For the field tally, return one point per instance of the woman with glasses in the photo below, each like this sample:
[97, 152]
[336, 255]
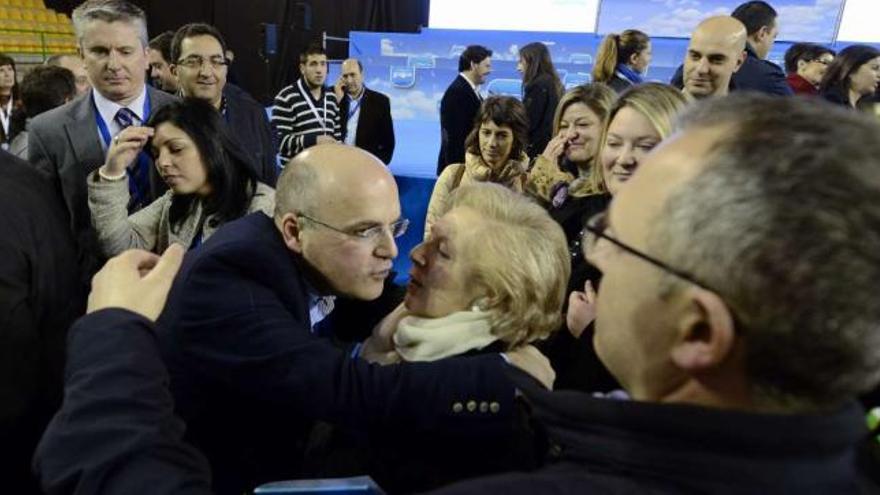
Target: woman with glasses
[495, 152]
[806, 65]
[469, 293]
[854, 74]
[210, 182]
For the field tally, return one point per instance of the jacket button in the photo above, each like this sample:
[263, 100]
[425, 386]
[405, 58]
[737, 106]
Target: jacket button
[484, 407]
[457, 407]
[494, 407]
[471, 406]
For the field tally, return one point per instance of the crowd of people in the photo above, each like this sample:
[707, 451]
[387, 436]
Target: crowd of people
[625, 286]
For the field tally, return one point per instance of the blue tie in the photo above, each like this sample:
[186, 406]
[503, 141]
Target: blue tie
[139, 177]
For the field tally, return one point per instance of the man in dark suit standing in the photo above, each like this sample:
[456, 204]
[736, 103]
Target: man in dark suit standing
[40, 296]
[70, 142]
[366, 114]
[199, 62]
[460, 104]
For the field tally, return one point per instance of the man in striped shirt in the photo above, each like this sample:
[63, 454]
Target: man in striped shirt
[306, 113]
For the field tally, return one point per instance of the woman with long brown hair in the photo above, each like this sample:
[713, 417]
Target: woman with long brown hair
[541, 88]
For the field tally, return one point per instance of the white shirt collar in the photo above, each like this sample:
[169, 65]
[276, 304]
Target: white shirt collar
[108, 108]
[472, 85]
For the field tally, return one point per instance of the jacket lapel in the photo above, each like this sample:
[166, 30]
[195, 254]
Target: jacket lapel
[82, 133]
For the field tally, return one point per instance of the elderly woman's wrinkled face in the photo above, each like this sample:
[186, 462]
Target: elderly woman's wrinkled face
[439, 278]
[496, 141]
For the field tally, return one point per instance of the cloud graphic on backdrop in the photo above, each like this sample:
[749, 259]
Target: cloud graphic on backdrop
[800, 20]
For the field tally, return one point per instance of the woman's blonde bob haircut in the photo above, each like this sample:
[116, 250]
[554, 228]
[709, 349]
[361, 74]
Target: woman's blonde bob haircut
[520, 258]
[659, 103]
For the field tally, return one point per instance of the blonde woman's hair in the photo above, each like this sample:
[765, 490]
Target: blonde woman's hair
[523, 264]
[617, 49]
[659, 103]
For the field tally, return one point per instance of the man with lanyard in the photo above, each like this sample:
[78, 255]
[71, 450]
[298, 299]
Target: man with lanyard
[306, 113]
[68, 144]
[367, 114]
[200, 65]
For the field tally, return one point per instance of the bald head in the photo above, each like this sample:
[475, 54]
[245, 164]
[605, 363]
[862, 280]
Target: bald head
[716, 50]
[353, 77]
[328, 173]
[336, 207]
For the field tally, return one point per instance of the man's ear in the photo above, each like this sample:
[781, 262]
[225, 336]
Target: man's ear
[173, 69]
[706, 333]
[800, 65]
[291, 231]
[740, 60]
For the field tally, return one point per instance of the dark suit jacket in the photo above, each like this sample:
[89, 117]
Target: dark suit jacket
[64, 144]
[754, 75]
[116, 432]
[375, 130]
[458, 108]
[248, 375]
[249, 124]
[40, 296]
[605, 445]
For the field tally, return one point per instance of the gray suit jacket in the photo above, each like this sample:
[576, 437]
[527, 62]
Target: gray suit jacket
[65, 146]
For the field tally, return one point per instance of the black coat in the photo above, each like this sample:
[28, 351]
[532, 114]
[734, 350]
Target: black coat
[621, 446]
[40, 296]
[540, 98]
[249, 124]
[249, 376]
[375, 130]
[458, 109]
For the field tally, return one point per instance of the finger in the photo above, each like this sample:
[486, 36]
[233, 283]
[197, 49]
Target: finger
[589, 292]
[135, 259]
[167, 266]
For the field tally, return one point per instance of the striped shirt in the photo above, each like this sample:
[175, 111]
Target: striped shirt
[298, 123]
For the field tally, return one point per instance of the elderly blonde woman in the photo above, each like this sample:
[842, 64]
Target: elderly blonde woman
[473, 293]
[495, 152]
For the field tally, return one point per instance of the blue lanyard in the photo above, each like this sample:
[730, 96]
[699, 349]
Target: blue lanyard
[102, 126]
[354, 108]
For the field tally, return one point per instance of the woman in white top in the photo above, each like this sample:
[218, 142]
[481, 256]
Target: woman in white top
[210, 179]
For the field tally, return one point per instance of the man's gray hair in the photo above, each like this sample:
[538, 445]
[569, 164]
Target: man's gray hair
[109, 11]
[784, 221]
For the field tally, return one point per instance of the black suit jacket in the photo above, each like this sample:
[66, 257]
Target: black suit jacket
[458, 108]
[249, 124]
[40, 296]
[375, 130]
[248, 375]
[63, 143]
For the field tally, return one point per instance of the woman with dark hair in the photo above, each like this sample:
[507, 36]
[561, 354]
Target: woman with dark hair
[210, 179]
[854, 73]
[495, 151]
[622, 59]
[541, 88]
[10, 102]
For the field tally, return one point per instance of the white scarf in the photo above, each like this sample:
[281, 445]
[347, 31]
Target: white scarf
[430, 339]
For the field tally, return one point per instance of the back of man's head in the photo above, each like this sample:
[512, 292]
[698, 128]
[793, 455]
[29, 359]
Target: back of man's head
[473, 54]
[783, 220]
[46, 87]
[755, 15]
[109, 11]
[162, 44]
